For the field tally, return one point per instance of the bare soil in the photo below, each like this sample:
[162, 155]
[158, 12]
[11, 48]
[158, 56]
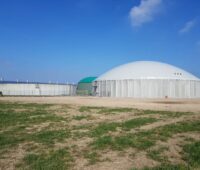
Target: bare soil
[192, 105]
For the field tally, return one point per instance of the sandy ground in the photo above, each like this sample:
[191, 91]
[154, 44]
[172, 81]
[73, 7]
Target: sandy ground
[190, 105]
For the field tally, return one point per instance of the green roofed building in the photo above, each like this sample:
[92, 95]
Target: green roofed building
[85, 87]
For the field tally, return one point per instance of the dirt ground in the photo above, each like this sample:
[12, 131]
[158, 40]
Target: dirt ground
[189, 105]
[86, 131]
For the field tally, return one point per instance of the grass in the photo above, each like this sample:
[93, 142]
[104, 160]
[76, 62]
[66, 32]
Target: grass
[15, 118]
[156, 155]
[139, 141]
[43, 135]
[89, 108]
[115, 110]
[135, 123]
[105, 110]
[13, 138]
[93, 157]
[164, 132]
[103, 142]
[16, 105]
[81, 117]
[192, 154]
[104, 128]
[59, 159]
[165, 113]
[166, 167]
[85, 126]
[79, 134]
[49, 137]
[10, 139]
[11, 117]
[145, 139]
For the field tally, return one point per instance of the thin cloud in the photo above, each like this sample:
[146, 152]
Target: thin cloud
[188, 27]
[144, 12]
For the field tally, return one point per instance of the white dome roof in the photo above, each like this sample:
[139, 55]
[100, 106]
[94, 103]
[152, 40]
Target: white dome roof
[146, 70]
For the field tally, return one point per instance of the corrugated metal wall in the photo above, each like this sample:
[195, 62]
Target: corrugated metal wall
[38, 89]
[148, 88]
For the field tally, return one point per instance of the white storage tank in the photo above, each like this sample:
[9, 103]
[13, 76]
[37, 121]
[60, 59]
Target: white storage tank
[147, 79]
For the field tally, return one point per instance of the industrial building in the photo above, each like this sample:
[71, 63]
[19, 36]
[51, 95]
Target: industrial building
[147, 79]
[85, 87]
[11, 88]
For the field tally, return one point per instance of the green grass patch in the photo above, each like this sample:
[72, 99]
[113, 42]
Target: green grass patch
[89, 108]
[93, 157]
[37, 114]
[164, 132]
[12, 138]
[79, 134]
[134, 123]
[105, 110]
[122, 142]
[104, 128]
[16, 118]
[49, 137]
[165, 113]
[144, 139]
[103, 142]
[83, 127]
[115, 110]
[156, 155]
[192, 154]
[166, 167]
[28, 106]
[9, 139]
[81, 117]
[60, 159]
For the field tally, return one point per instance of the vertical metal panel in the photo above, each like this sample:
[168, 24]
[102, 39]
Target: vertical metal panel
[37, 89]
[150, 88]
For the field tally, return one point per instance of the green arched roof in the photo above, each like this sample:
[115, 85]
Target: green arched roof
[87, 80]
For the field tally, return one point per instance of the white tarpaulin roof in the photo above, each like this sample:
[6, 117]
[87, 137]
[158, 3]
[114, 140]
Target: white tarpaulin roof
[146, 70]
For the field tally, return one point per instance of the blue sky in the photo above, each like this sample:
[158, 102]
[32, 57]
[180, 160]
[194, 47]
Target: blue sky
[66, 40]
